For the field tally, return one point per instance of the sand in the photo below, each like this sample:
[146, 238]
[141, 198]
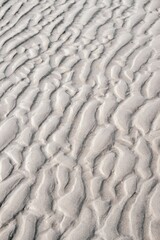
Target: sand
[79, 120]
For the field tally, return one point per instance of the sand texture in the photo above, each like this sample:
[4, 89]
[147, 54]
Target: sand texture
[79, 119]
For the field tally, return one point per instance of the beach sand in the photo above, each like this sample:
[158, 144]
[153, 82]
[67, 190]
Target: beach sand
[79, 119]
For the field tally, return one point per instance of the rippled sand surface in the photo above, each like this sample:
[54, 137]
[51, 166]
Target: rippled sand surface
[79, 119]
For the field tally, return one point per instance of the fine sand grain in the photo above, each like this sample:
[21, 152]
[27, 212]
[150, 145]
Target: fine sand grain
[79, 119]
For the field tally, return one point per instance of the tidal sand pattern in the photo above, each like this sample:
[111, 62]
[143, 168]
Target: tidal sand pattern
[79, 119]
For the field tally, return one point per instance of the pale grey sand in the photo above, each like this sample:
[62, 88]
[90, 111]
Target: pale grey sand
[79, 119]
